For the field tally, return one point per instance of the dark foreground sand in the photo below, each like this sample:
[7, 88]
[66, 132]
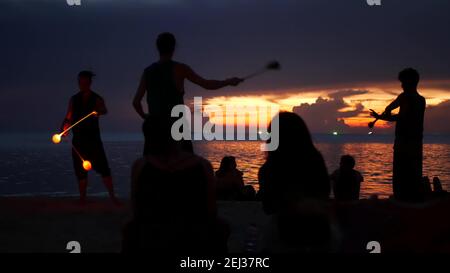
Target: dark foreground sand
[48, 224]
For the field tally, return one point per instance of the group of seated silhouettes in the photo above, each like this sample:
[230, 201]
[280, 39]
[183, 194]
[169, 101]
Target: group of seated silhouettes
[174, 192]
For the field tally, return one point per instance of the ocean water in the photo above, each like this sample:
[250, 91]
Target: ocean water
[32, 165]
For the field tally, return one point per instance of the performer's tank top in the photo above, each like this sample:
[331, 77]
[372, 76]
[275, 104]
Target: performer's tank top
[162, 93]
[88, 130]
[410, 117]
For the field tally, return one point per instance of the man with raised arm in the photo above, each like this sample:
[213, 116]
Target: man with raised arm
[163, 81]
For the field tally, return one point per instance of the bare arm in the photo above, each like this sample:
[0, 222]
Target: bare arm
[68, 119]
[389, 117]
[393, 105]
[100, 107]
[386, 115]
[208, 84]
[138, 98]
[69, 112]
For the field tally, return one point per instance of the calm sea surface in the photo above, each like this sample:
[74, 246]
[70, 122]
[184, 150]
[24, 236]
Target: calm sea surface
[31, 165]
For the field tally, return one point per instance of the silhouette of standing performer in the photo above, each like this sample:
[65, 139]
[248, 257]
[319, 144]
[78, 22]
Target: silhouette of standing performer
[86, 135]
[163, 81]
[407, 169]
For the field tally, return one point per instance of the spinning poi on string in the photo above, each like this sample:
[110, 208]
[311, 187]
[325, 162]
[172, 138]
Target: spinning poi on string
[82, 119]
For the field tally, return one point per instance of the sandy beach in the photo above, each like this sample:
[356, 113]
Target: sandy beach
[48, 224]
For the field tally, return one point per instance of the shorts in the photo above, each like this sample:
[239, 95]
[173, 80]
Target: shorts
[93, 152]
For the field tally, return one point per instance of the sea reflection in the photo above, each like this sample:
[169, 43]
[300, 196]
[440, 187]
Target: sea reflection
[373, 160]
[46, 169]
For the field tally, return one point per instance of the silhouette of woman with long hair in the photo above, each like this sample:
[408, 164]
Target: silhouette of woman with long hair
[229, 179]
[295, 188]
[295, 170]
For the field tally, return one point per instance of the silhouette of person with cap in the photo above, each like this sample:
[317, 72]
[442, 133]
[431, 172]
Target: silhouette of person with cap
[86, 135]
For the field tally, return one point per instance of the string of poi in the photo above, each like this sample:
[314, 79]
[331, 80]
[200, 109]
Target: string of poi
[56, 138]
[274, 65]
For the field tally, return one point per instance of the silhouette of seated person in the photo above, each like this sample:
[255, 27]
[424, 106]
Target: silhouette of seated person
[407, 165]
[294, 188]
[248, 193]
[229, 179]
[346, 180]
[173, 199]
[163, 82]
[438, 191]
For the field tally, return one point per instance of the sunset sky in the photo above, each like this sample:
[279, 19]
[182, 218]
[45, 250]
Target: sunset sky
[349, 106]
[337, 63]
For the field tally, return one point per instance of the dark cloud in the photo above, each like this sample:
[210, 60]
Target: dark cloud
[326, 115]
[437, 118]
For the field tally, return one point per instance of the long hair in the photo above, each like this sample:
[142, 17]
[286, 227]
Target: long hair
[294, 137]
[296, 168]
[228, 163]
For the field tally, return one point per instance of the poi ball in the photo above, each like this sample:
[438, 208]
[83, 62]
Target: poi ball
[56, 138]
[87, 165]
[273, 65]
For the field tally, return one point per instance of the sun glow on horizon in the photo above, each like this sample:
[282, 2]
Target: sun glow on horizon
[375, 97]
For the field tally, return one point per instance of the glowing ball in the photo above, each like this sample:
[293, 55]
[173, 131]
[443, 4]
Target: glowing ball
[370, 133]
[56, 138]
[87, 165]
[335, 133]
